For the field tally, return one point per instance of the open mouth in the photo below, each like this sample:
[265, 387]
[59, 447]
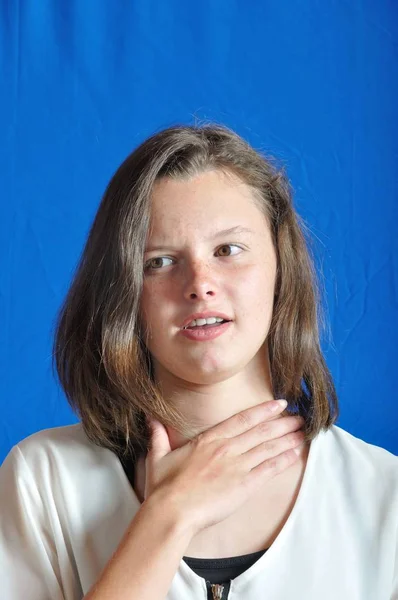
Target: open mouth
[204, 333]
[206, 326]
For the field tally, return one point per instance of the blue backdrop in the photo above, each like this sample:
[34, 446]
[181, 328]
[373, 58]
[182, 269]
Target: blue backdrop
[314, 83]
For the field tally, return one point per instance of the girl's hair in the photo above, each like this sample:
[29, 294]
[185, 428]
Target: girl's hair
[99, 348]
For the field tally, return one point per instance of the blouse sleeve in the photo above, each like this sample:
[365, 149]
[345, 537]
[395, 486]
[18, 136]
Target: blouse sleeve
[28, 561]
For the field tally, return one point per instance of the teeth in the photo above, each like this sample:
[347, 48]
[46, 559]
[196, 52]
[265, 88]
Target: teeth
[209, 321]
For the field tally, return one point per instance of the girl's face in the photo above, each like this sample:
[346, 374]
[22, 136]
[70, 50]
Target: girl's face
[191, 267]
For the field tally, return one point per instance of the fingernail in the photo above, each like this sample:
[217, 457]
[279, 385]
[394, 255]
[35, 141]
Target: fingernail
[279, 404]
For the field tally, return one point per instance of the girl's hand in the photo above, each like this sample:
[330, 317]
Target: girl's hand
[211, 476]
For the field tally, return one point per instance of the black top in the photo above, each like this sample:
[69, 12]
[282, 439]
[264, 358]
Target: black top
[221, 571]
[213, 570]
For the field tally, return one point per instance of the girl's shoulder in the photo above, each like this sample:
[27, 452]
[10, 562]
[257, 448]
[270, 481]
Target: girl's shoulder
[57, 453]
[357, 449]
[357, 464]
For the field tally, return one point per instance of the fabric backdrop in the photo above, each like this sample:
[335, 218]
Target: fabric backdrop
[313, 83]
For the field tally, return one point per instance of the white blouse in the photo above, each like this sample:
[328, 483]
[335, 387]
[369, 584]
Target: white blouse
[66, 503]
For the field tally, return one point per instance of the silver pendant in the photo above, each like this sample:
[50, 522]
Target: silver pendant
[217, 590]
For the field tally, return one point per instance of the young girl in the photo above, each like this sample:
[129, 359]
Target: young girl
[193, 309]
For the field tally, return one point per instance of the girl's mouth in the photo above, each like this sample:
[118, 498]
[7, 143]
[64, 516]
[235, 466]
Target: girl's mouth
[202, 333]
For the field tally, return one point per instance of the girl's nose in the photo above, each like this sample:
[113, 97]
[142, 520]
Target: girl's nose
[199, 284]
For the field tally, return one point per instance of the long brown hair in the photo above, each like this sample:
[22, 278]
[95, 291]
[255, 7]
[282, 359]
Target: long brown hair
[99, 349]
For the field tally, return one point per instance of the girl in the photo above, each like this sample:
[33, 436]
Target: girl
[194, 307]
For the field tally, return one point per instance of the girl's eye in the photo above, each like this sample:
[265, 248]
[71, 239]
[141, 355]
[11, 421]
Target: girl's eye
[228, 246]
[154, 264]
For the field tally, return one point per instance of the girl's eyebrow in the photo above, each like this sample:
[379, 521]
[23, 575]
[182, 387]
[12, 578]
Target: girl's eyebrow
[238, 229]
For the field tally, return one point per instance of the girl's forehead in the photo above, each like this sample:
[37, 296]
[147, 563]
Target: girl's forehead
[208, 195]
[203, 183]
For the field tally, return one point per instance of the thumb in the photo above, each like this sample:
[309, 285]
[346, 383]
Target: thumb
[160, 443]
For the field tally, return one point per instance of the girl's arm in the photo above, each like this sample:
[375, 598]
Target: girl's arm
[142, 566]
[29, 565]
[147, 558]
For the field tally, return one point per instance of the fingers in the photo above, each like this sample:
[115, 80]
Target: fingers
[160, 443]
[266, 432]
[269, 468]
[269, 453]
[245, 420]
